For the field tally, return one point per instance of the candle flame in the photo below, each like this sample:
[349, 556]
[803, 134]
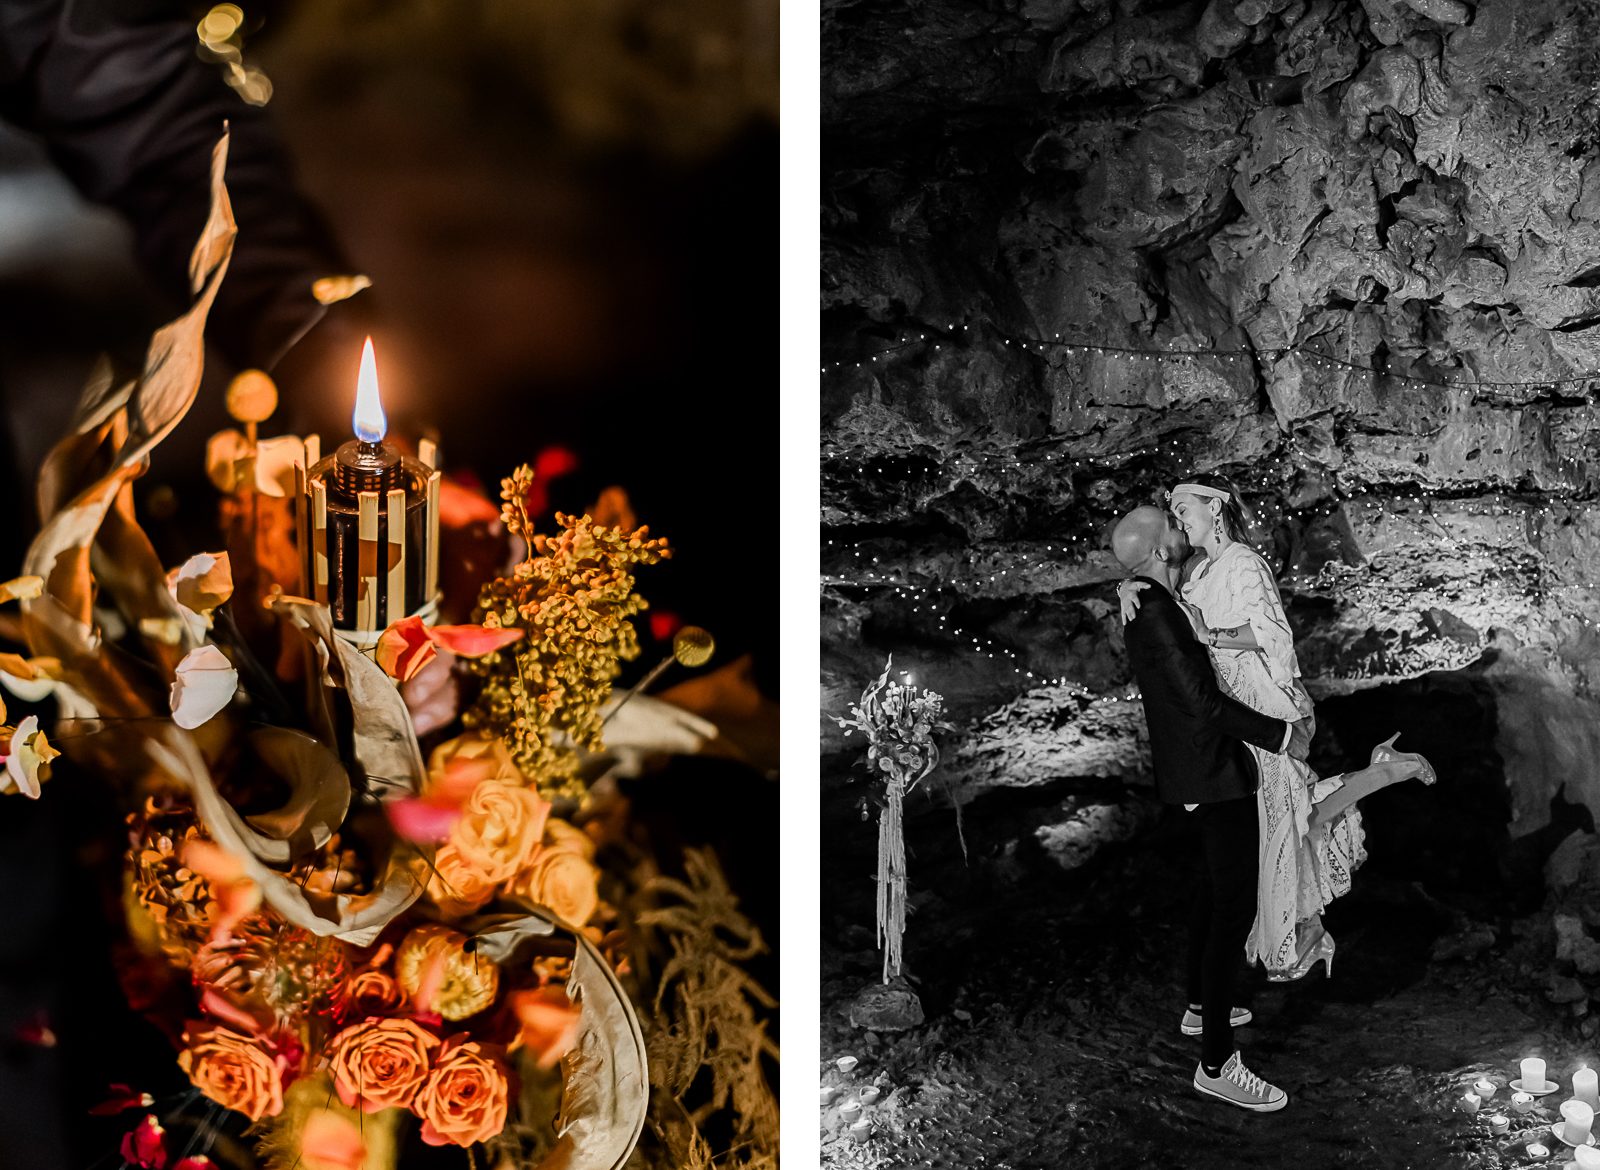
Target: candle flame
[369, 420]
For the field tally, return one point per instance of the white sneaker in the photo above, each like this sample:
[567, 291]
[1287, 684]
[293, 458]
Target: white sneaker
[1193, 1026]
[1239, 1086]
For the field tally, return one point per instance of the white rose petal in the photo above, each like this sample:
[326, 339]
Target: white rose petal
[29, 690]
[205, 685]
[16, 763]
[202, 582]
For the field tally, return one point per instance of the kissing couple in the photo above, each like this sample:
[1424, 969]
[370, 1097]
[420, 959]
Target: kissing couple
[1230, 730]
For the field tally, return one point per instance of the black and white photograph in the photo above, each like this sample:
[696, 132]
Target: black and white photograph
[1209, 584]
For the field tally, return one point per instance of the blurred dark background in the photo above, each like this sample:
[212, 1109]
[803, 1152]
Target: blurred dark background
[568, 212]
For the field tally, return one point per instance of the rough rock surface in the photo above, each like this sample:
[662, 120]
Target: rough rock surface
[1362, 205]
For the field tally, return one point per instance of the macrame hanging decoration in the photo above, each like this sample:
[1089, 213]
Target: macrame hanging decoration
[898, 720]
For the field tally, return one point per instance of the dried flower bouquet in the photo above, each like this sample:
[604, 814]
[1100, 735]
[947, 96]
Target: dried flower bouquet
[341, 936]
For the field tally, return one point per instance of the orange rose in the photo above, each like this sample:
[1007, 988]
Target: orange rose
[380, 1063]
[234, 1071]
[373, 993]
[560, 877]
[463, 1100]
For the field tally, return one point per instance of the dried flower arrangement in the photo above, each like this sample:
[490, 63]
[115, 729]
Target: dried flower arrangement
[898, 720]
[342, 937]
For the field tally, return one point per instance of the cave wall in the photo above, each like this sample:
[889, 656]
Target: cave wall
[1275, 238]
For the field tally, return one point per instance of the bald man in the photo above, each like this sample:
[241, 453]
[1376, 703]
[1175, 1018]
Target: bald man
[1197, 745]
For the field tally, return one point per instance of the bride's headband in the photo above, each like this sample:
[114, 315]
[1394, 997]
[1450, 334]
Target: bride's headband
[1200, 489]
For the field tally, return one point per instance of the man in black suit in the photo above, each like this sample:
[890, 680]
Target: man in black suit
[1197, 744]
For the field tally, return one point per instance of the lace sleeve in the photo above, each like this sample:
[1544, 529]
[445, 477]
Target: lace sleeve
[1255, 595]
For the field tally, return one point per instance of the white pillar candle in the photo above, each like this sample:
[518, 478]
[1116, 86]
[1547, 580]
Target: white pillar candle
[1499, 1123]
[1533, 1075]
[1485, 1088]
[1586, 1087]
[1588, 1158]
[1470, 1103]
[1578, 1117]
[1521, 1102]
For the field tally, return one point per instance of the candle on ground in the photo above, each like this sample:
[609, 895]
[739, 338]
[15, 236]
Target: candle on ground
[1470, 1103]
[1485, 1088]
[1586, 1087]
[1578, 1117]
[1537, 1150]
[1521, 1102]
[1499, 1123]
[1533, 1075]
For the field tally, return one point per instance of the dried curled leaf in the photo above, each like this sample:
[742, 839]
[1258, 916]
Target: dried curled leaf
[319, 792]
[606, 1084]
[383, 738]
[356, 919]
[115, 429]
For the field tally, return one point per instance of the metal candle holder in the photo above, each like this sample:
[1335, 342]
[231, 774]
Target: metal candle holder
[367, 518]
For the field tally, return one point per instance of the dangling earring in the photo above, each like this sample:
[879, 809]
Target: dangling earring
[1216, 526]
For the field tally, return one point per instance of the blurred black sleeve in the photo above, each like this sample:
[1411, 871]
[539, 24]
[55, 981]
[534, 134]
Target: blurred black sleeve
[118, 95]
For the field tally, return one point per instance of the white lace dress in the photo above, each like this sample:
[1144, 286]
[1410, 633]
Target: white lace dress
[1301, 871]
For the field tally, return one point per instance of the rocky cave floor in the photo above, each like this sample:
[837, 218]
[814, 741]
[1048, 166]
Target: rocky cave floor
[1051, 1039]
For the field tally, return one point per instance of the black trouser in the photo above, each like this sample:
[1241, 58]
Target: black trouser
[1220, 916]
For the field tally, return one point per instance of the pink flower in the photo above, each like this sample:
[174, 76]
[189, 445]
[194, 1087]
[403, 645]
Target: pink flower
[550, 1022]
[122, 1097]
[144, 1145]
[405, 648]
[408, 645]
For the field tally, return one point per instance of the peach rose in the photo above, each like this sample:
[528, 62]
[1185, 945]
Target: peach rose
[561, 877]
[233, 1070]
[463, 1100]
[459, 765]
[380, 1063]
[440, 976]
[455, 887]
[499, 829]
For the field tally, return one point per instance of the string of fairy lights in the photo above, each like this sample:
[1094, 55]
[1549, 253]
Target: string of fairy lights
[928, 595]
[961, 332]
[1259, 476]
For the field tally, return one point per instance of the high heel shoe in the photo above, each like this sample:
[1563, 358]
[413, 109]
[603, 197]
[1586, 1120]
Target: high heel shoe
[1321, 953]
[1386, 753]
